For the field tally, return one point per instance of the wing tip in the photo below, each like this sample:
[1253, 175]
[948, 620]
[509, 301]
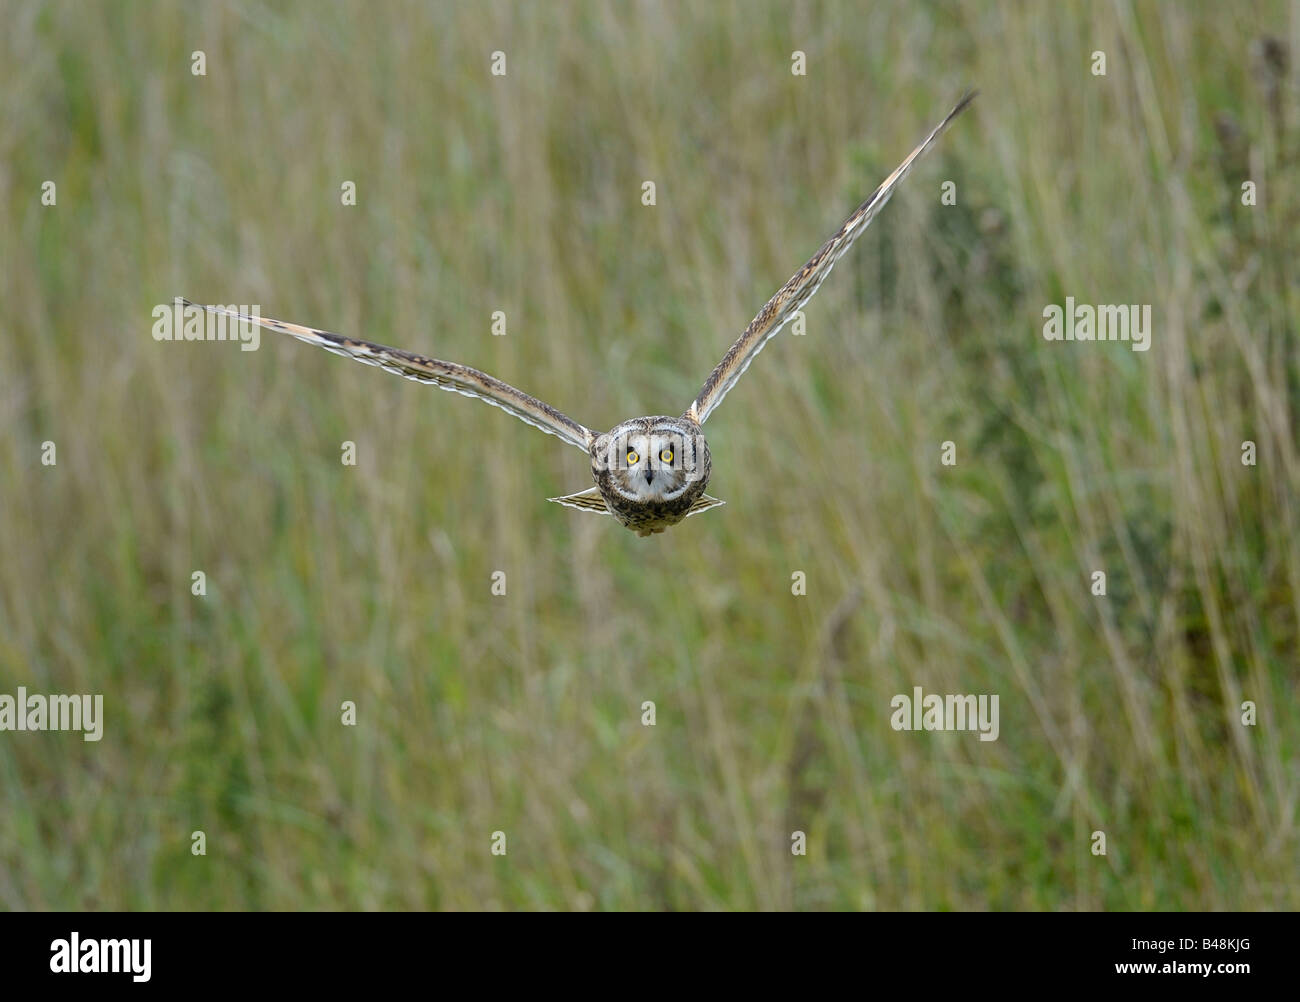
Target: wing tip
[971, 94]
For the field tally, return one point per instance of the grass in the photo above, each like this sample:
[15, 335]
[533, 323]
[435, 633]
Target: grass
[522, 713]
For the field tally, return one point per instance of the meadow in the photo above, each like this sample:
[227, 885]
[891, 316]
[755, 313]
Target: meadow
[1168, 181]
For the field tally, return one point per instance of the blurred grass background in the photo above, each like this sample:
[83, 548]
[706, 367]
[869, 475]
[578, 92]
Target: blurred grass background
[521, 713]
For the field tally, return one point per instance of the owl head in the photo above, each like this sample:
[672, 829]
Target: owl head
[652, 459]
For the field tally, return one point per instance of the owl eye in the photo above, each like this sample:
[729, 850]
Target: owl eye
[666, 456]
[632, 457]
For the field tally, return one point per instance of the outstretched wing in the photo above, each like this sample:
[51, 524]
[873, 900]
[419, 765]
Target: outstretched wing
[796, 292]
[446, 375]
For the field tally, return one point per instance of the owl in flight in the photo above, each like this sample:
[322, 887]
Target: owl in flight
[650, 472]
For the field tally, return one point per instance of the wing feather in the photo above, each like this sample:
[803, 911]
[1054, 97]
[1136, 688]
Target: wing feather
[445, 375]
[589, 500]
[806, 281]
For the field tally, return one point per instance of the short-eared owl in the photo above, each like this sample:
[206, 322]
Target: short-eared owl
[650, 472]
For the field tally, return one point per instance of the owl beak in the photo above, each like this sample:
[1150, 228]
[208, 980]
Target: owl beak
[649, 476]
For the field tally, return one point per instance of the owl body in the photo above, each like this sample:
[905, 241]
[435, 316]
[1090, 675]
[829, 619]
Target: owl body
[651, 471]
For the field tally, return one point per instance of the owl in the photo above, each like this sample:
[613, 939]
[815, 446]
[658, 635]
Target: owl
[650, 472]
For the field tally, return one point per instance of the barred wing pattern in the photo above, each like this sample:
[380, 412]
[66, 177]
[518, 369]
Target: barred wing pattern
[445, 375]
[796, 292]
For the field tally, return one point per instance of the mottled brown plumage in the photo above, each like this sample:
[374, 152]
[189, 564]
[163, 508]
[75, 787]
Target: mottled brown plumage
[652, 471]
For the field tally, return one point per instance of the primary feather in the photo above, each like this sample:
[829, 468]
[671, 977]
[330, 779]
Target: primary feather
[445, 375]
[805, 282]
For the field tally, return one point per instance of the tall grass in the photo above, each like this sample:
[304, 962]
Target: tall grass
[522, 713]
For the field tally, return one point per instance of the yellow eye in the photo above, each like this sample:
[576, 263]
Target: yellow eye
[632, 457]
[666, 456]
